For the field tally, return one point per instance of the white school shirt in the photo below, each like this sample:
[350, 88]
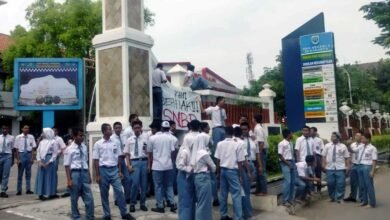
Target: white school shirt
[157, 77]
[286, 149]
[318, 145]
[367, 154]
[215, 112]
[107, 152]
[61, 143]
[161, 145]
[183, 159]
[9, 144]
[19, 143]
[204, 162]
[242, 144]
[253, 148]
[303, 169]
[190, 76]
[229, 153]
[355, 155]
[301, 146]
[260, 135]
[121, 142]
[142, 146]
[342, 154]
[76, 157]
[47, 147]
[128, 132]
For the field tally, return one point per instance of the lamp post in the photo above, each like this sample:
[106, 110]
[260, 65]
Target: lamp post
[349, 83]
[347, 111]
[360, 114]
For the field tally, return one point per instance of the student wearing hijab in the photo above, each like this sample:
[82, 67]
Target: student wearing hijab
[46, 183]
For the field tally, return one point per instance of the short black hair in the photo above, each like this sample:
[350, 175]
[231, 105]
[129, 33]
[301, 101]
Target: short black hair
[5, 126]
[314, 129]
[136, 122]
[156, 124]
[367, 135]
[258, 118]
[117, 123]
[76, 131]
[171, 122]
[26, 125]
[306, 127]
[229, 130]
[309, 159]
[104, 127]
[195, 124]
[244, 116]
[219, 98]
[203, 125]
[244, 124]
[237, 132]
[159, 65]
[191, 67]
[132, 116]
[286, 133]
[337, 134]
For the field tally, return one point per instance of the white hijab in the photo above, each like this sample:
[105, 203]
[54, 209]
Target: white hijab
[200, 148]
[47, 142]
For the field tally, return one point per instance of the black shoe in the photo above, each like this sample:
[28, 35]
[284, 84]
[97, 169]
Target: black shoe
[107, 218]
[132, 208]
[29, 192]
[144, 208]
[54, 197]
[128, 217]
[226, 218]
[42, 198]
[19, 193]
[3, 195]
[65, 195]
[159, 210]
[173, 208]
[216, 202]
[349, 199]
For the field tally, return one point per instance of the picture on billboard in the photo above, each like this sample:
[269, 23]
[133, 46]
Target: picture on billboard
[48, 84]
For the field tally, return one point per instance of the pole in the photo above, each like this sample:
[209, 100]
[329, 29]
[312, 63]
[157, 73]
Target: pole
[349, 84]
[47, 119]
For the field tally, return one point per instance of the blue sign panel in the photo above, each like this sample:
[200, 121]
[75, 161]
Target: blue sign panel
[48, 84]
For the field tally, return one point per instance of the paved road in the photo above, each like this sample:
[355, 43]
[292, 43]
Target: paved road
[350, 211]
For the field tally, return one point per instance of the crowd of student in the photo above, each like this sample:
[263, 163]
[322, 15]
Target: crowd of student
[203, 169]
[303, 165]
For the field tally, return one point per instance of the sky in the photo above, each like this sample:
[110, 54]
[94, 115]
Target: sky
[219, 33]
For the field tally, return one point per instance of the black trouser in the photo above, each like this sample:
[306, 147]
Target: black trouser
[318, 170]
[157, 102]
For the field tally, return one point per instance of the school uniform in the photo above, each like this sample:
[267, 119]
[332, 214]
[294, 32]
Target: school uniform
[305, 146]
[136, 147]
[261, 136]
[218, 117]
[24, 145]
[161, 145]
[354, 175]
[158, 76]
[185, 178]
[286, 149]
[249, 149]
[126, 179]
[108, 152]
[76, 158]
[318, 146]
[6, 146]
[202, 165]
[128, 132]
[367, 154]
[46, 182]
[61, 147]
[303, 186]
[335, 156]
[230, 153]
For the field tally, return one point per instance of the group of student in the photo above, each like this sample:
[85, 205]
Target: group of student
[303, 164]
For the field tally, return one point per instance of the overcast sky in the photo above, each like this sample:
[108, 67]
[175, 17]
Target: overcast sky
[218, 33]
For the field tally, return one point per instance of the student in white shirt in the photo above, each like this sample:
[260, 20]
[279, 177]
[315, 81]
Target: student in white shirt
[202, 166]
[306, 179]
[218, 118]
[287, 164]
[6, 149]
[262, 142]
[24, 144]
[318, 146]
[161, 148]
[304, 145]
[46, 183]
[185, 177]
[105, 157]
[61, 148]
[195, 82]
[158, 78]
[368, 156]
[230, 158]
[128, 132]
[336, 163]
[120, 139]
[78, 175]
[137, 164]
[354, 175]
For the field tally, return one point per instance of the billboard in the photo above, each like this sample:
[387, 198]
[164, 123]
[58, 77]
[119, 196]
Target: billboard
[318, 77]
[48, 84]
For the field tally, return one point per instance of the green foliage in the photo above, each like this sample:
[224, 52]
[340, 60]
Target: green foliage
[382, 142]
[379, 13]
[9, 84]
[272, 157]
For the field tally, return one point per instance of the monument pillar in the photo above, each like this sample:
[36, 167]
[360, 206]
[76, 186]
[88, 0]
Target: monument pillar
[123, 67]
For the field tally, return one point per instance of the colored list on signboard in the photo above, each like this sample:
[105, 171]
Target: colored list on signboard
[318, 74]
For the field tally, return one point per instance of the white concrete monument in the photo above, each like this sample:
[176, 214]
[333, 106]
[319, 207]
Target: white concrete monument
[123, 67]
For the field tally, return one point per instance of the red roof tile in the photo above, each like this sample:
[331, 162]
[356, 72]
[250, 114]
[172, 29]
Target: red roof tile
[5, 42]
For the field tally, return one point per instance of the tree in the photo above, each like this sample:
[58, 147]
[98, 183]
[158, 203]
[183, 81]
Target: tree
[379, 13]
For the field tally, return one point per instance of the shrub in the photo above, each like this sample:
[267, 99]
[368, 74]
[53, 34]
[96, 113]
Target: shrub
[381, 142]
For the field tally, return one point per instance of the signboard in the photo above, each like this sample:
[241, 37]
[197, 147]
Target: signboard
[48, 84]
[318, 76]
[180, 106]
